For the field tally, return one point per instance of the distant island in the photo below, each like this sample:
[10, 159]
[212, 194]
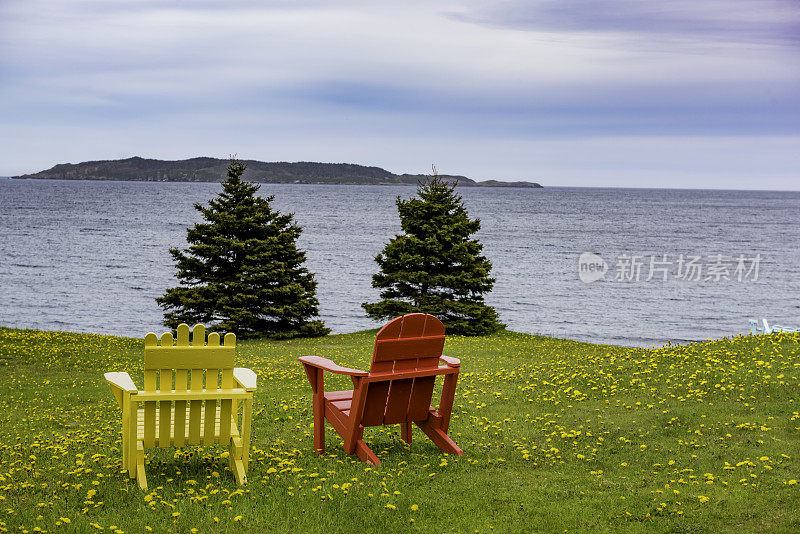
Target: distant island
[214, 170]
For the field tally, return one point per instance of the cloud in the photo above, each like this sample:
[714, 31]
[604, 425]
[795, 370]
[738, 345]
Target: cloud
[160, 78]
[737, 21]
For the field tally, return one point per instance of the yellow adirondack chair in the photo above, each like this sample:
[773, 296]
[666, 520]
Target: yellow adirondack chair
[201, 408]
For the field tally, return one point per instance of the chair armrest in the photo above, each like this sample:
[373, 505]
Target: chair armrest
[451, 362]
[326, 364]
[245, 377]
[120, 383]
[121, 380]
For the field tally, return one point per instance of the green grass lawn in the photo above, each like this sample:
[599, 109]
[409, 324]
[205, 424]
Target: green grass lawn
[557, 435]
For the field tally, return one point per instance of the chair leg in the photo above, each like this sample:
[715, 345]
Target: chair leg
[140, 476]
[235, 460]
[231, 456]
[439, 438]
[125, 440]
[135, 457]
[247, 414]
[239, 474]
[405, 431]
[318, 407]
[125, 461]
[354, 443]
[365, 454]
[131, 437]
[319, 431]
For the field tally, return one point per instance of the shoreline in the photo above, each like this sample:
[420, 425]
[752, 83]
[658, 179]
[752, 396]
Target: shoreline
[653, 346]
[495, 183]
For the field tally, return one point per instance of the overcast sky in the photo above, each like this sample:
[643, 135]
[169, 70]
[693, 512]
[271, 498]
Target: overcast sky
[643, 93]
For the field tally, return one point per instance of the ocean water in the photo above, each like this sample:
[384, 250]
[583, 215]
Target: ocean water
[682, 265]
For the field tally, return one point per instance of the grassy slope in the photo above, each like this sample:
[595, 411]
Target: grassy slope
[557, 435]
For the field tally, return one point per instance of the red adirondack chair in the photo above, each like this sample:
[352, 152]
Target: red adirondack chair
[397, 388]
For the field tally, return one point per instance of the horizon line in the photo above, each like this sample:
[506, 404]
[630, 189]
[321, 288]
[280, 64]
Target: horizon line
[410, 185]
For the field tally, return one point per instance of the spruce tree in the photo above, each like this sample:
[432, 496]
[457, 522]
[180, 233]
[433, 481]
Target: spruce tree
[435, 266]
[242, 271]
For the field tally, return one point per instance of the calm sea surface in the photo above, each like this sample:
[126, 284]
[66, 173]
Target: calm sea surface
[92, 256]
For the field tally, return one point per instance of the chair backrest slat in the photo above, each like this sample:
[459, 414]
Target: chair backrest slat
[150, 385]
[181, 385]
[212, 379]
[226, 378]
[226, 407]
[397, 402]
[413, 324]
[182, 339]
[213, 339]
[150, 374]
[210, 421]
[164, 422]
[195, 408]
[375, 405]
[420, 400]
